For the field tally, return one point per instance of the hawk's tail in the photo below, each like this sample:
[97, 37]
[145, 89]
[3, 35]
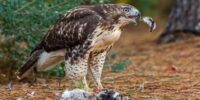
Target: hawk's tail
[29, 65]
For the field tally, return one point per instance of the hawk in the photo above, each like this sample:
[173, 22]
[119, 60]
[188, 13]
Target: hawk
[81, 38]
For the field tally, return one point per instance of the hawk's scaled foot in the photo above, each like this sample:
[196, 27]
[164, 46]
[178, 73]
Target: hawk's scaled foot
[99, 85]
[85, 85]
[82, 84]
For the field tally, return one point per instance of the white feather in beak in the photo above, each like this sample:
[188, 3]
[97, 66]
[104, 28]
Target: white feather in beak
[150, 22]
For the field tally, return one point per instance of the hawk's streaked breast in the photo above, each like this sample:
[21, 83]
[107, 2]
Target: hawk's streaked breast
[106, 38]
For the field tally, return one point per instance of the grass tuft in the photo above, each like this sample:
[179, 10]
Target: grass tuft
[120, 66]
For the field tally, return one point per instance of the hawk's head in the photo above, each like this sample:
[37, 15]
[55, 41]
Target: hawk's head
[130, 12]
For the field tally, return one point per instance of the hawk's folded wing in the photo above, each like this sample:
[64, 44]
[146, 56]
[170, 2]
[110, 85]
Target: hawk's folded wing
[71, 30]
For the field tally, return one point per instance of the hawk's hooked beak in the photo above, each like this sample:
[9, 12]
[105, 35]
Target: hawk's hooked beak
[134, 17]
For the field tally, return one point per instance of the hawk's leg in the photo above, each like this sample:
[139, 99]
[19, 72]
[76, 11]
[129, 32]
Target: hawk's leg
[76, 69]
[86, 87]
[76, 61]
[96, 65]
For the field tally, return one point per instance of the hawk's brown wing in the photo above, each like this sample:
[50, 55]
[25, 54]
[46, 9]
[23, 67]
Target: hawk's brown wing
[71, 30]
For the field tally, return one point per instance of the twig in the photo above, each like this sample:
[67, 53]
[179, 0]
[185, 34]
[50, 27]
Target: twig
[59, 83]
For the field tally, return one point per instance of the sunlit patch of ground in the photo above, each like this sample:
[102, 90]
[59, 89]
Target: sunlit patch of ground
[158, 72]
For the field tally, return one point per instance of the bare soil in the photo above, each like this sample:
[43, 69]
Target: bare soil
[156, 72]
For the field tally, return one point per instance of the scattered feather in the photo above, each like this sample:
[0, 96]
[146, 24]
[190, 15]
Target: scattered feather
[141, 86]
[148, 98]
[31, 94]
[10, 86]
[150, 22]
[20, 98]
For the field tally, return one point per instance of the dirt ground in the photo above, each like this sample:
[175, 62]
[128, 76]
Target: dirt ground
[156, 72]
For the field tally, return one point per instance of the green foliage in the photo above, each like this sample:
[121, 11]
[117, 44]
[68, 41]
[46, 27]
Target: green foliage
[58, 71]
[120, 66]
[24, 22]
[147, 7]
[80, 84]
[96, 1]
[112, 54]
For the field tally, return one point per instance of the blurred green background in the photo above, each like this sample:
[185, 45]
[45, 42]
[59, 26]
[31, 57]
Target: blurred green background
[24, 22]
